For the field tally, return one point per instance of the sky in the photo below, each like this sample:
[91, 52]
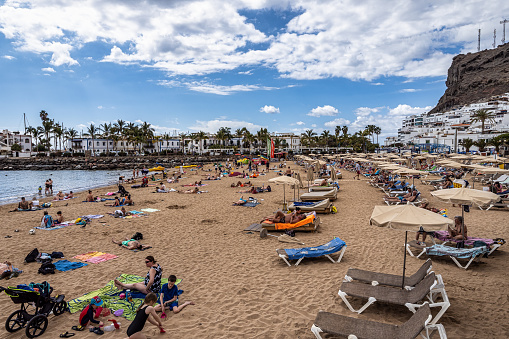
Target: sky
[189, 66]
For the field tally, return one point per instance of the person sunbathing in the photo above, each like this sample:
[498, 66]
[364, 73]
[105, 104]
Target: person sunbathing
[446, 184]
[252, 190]
[409, 197]
[24, 205]
[131, 244]
[70, 195]
[321, 183]
[460, 229]
[121, 212]
[290, 218]
[60, 196]
[129, 201]
[241, 201]
[190, 191]
[90, 197]
[161, 189]
[115, 204]
[59, 219]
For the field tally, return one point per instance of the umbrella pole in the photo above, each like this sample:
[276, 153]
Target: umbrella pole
[404, 262]
[463, 225]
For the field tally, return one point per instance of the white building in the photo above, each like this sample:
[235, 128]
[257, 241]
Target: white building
[8, 139]
[452, 127]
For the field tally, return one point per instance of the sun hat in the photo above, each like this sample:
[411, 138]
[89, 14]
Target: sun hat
[96, 301]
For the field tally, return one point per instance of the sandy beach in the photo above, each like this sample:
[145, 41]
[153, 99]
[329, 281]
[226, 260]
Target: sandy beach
[241, 288]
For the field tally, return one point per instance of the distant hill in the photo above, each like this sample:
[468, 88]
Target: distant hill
[473, 77]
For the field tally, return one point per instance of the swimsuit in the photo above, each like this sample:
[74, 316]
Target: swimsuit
[156, 286]
[126, 242]
[138, 322]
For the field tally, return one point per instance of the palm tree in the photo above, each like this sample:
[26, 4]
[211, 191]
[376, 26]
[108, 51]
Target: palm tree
[92, 131]
[47, 127]
[182, 138]
[481, 144]
[248, 139]
[106, 130]
[221, 135]
[200, 136]
[71, 133]
[308, 137]
[324, 138]
[497, 142]
[58, 132]
[262, 135]
[377, 130]
[482, 115]
[120, 126]
[467, 143]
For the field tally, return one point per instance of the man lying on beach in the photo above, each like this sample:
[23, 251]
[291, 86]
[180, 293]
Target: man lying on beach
[290, 218]
[24, 205]
[190, 191]
[70, 195]
[131, 244]
[241, 201]
[121, 212]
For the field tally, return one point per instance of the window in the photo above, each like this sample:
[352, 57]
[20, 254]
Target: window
[27, 141]
[104, 143]
[121, 143]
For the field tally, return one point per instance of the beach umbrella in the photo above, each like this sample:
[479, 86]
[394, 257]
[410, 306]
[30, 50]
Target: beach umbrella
[408, 218]
[310, 176]
[284, 180]
[409, 171]
[465, 196]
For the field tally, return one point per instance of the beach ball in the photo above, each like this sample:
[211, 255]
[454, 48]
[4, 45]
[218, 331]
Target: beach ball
[31, 232]
[122, 295]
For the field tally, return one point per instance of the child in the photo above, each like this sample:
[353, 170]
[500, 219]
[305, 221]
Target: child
[59, 219]
[87, 315]
[47, 220]
[144, 313]
[169, 298]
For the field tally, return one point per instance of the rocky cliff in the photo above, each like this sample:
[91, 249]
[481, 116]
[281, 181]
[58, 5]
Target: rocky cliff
[473, 77]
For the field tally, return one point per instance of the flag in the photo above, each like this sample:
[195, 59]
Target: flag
[270, 148]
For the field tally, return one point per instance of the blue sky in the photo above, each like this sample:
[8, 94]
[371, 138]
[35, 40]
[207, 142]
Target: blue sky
[186, 65]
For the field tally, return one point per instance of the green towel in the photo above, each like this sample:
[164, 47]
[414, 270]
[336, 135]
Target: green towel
[112, 301]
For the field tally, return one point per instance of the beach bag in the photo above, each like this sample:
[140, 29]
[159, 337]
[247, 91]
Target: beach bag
[55, 255]
[137, 236]
[47, 268]
[32, 255]
[44, 287]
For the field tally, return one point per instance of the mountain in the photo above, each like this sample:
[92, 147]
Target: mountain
[475, 77]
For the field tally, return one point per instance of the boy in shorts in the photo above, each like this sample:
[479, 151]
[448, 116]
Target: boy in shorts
[169, 298]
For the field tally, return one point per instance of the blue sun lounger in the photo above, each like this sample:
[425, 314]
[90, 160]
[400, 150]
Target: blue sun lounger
[458, 253]
[333, 246]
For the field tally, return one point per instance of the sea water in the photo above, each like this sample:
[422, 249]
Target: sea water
[17, 184]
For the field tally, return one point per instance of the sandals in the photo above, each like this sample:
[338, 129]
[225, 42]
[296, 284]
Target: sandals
[97, 330]
[67, 334]
[78, 328]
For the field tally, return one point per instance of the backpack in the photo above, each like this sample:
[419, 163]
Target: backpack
[137, 236]
[44, 287]
[47, 268]
[32, 255]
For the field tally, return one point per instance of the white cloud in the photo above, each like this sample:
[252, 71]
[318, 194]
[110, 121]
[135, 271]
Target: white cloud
[326, 110]
[100, 107]
[337, 122]
[201, 37]
[269, 109]
[313, 125]
[409, 90]
[204, 87]
[300, 123]
[406, 110]
[8, 57]
[365, 111]
[250, 72]
[377, 83]
[212, 126]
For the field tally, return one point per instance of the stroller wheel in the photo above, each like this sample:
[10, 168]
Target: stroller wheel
[60, 308]
[16, 321]
[36, 326]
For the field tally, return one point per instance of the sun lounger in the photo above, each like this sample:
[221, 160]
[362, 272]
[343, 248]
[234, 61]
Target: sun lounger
[317, 196]
[333, 246]
[491, 243]
[310, 223]
[323, 206]
[321, 188]
[458, 253]
[427, 289]
[343, 326]
[375, 278]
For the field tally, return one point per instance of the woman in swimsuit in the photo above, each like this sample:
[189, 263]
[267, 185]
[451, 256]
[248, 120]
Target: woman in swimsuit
[145, 312]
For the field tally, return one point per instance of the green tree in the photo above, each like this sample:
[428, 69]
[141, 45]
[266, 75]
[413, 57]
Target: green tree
[497, 142]
[482, 116]
[106, 130]
[71, 134]
[467, 143]
[93, 132]
[377, 130]
[308, 137]
[16, 147]
[481, 144]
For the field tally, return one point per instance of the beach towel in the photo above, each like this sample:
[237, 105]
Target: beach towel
[110, 294]
[444, 236]
[86, 256]
[462, 253]
[150, 210]
[92, 216]
[101, 258]
[66, 265]
[307, 220]
[57, 226]
[332, 246]
[249, 204]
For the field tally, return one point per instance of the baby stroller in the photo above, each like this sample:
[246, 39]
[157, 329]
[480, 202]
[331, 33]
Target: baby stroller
[122, 191]
[35, 308]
